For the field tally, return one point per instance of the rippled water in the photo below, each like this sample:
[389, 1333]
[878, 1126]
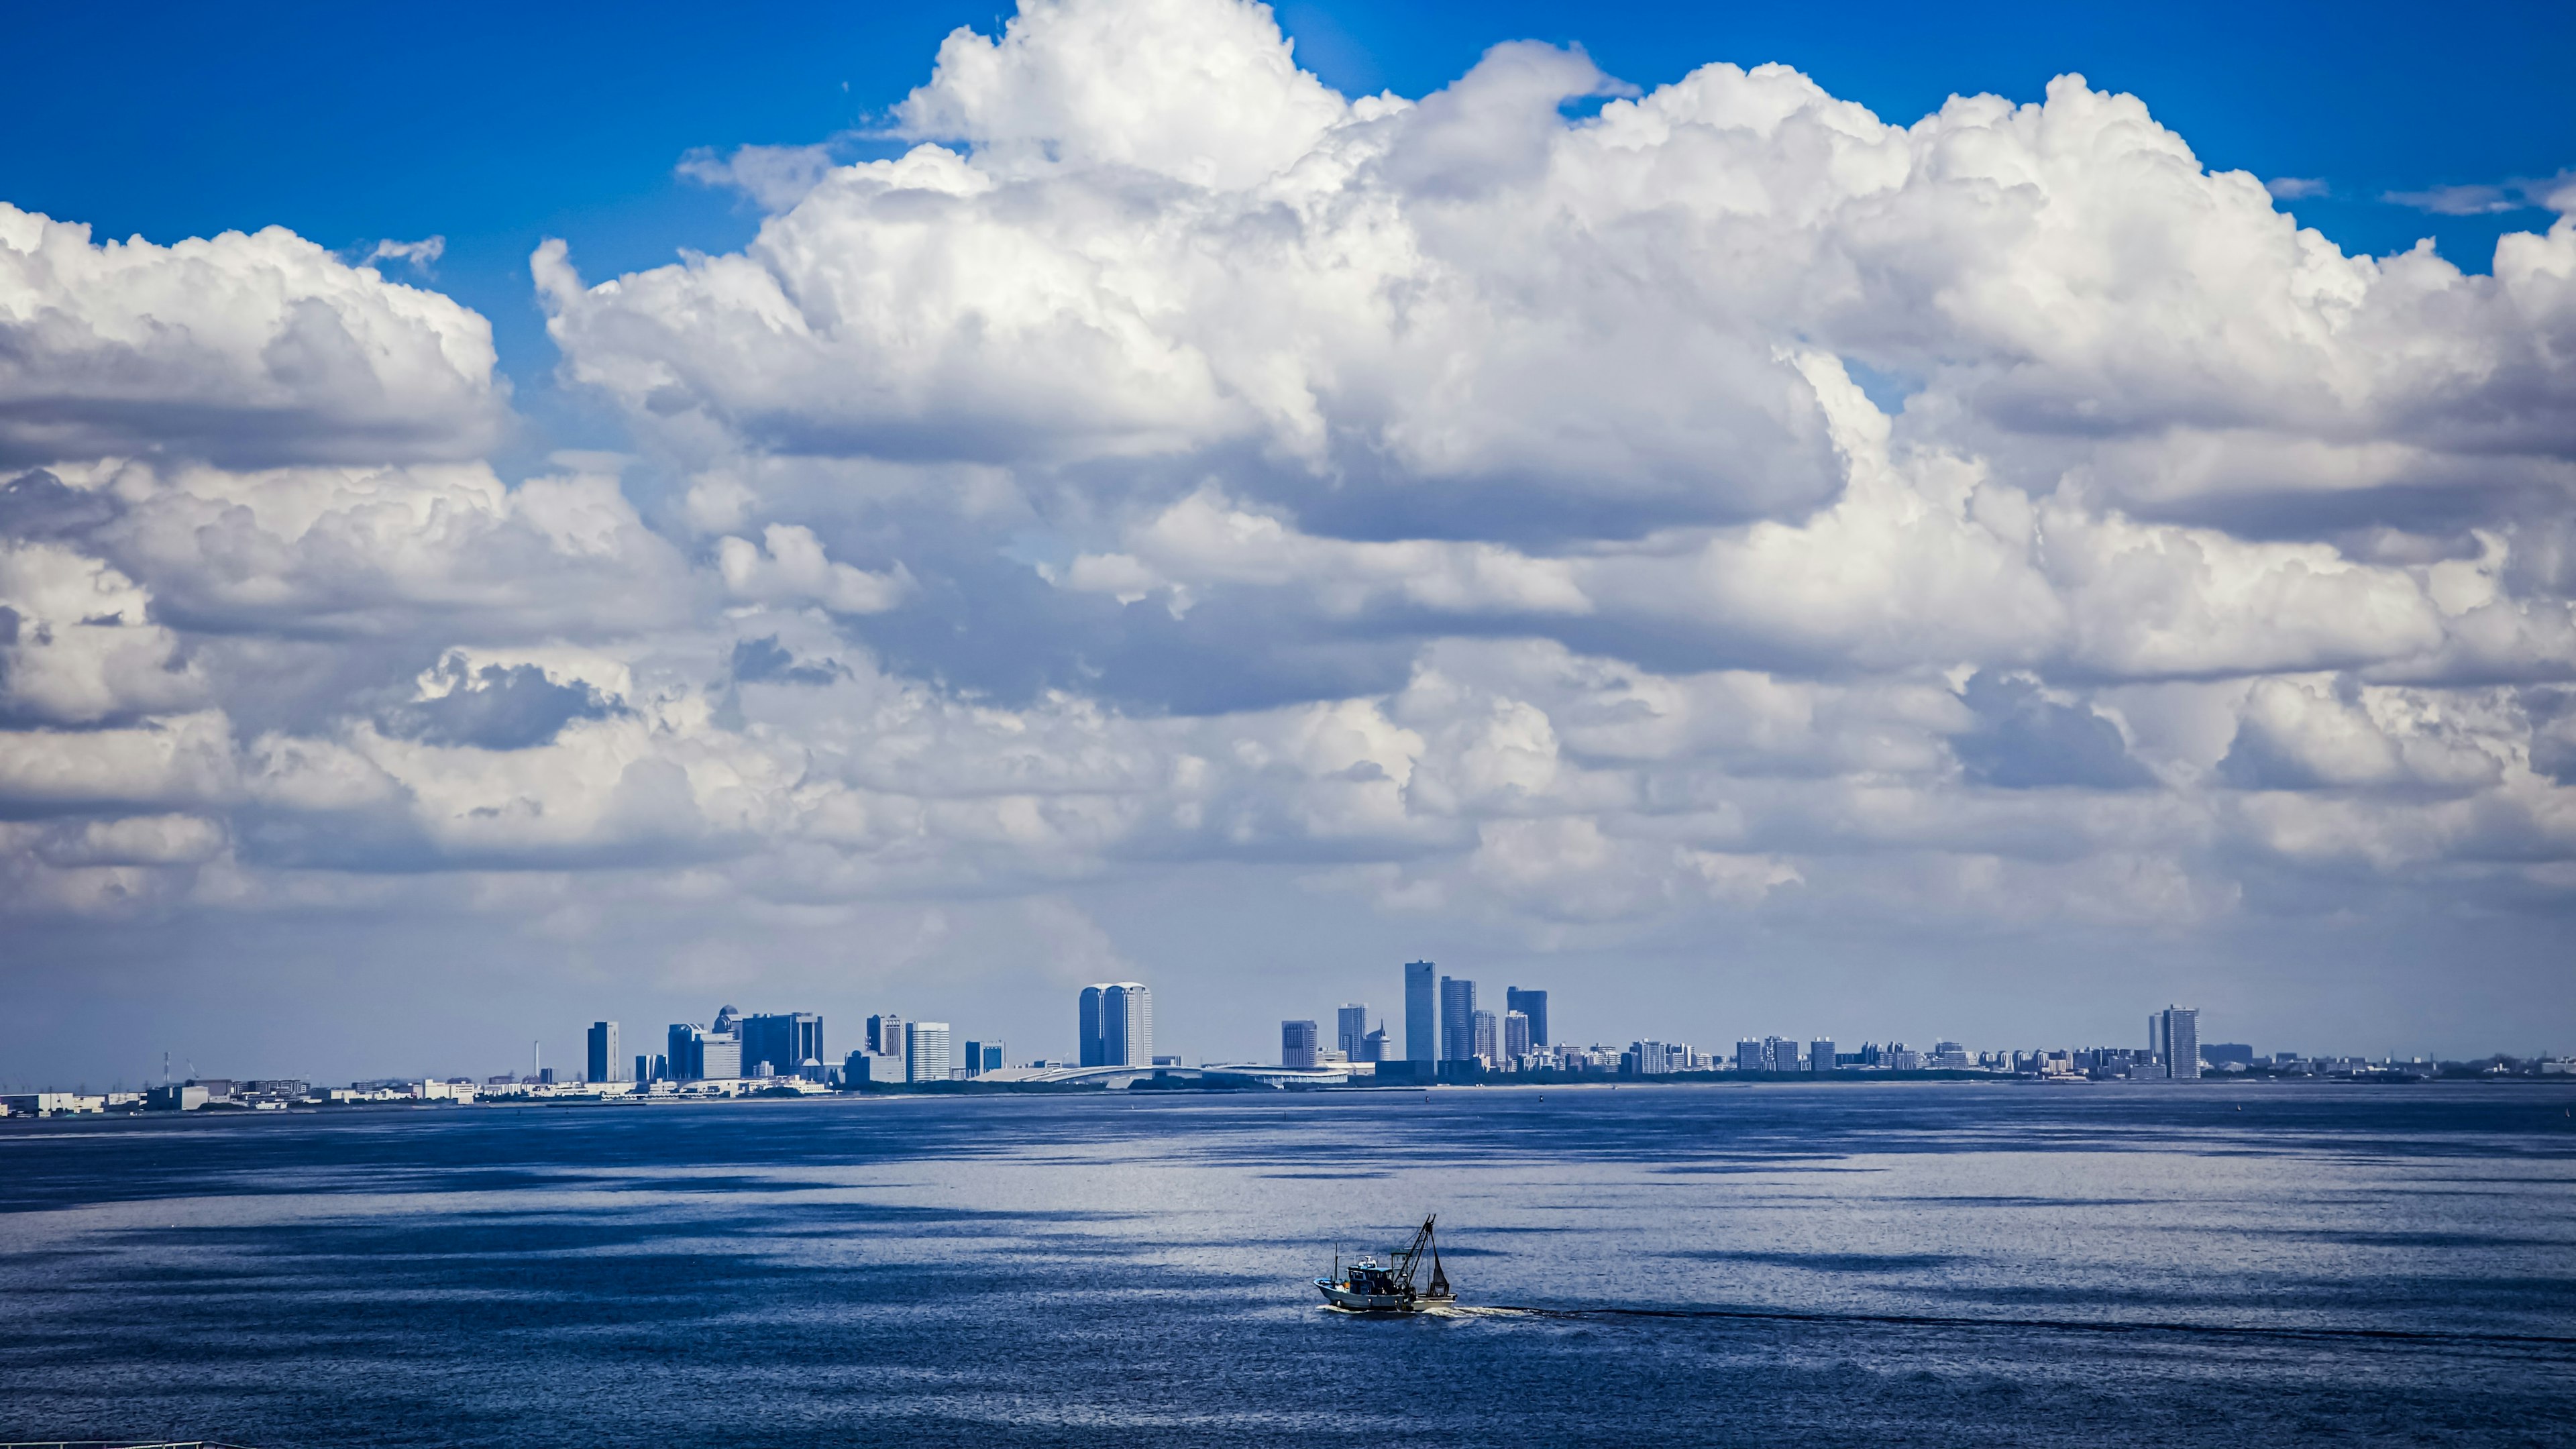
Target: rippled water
[1902, 1264]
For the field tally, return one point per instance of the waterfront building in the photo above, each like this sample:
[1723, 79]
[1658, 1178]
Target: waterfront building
[1088, 1038]
[982, 1057]
[1350, 1029]
[1779, 1054]
[1457, 1019]
[1532, 1004]
[2173, 1035]
[603, 1064]
[1296, 1043]
[784, 1042]
[720, 1050]
[643, 1067]
[925, 1051]
[1820, 1054]
[1748, 1055]
[1421, 1042]
[1519, 1033]
[1126, 1025]
[1651, 1058]
[687, 1052]
[1485, 1042]
[1373, 1046]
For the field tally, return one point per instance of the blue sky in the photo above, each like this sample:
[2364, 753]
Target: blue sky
[1732, 565]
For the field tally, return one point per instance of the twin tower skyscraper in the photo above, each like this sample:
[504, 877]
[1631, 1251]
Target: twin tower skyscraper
[1117, 1027]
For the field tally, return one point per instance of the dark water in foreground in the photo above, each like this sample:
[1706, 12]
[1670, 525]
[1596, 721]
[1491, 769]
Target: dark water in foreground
[2145, 1265]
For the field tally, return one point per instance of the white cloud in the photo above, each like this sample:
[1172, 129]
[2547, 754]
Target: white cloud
[1473, 510]
[247, 350]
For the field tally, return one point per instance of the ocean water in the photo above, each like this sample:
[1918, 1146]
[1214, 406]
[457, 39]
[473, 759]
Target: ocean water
[1934, 1264]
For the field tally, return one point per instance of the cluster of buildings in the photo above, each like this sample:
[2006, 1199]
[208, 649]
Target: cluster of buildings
[1447, 1037]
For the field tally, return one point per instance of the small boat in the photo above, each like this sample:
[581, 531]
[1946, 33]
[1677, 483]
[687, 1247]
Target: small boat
[1368, 1286]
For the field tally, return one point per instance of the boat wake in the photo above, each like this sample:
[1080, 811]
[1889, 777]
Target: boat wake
[2063, 1325]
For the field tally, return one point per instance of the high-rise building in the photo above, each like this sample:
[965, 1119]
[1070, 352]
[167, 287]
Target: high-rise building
[1532, 1004]
[1372, 1046]
[785, 1042]
[1517, 1032]
[1089, 1038]
[1779, 1055]
[1296, 1043]
[925, 1051]
[604, 1065]
[1651, 1057]
[1485, 1037]
[720, 1050]
[643, 1067]
[1350, 1029]
[982, 1057]
[1126, 1025]
[1421, 1036]
[1748, 1056]
[688, 1051]
[885, 1035]
[1820, 1054]
[1457, 1019]
[2173, 1034]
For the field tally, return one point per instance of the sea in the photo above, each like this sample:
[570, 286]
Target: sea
[1952, 1264]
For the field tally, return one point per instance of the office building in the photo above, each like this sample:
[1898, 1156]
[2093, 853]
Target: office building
[1126, 1025]
[1651, 1058]
[1373, 1046]
[982, 1057]
[925, 1051]
[1820, 1054]
[1517, 1032]
[783, 1043]
[1485, 1037]
[1089, 1040]
[1457, 1019]
[1296, 1044]
[1350, 1029]
[687, 1047]
[2173, 1035]
[1779, 1055]
[1532, 1004]
[603, 1065]
[643, 1067]
[1421, 1039]
[1748, 1056]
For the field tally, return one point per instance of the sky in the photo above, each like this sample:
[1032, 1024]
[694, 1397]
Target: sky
[1890, 524]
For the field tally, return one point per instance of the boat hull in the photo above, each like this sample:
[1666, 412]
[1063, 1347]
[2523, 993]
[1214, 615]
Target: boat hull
[1344, 1298]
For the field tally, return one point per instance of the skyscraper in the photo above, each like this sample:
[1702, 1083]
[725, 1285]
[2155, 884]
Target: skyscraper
[1088, 1038]
[1532, 1004]
[1421, 1040]
[688, 1051]
[1296, 1043]
[1457, 1019]
[785, 1042]
[2173, 1034]
[1484, 1037]
[1748, 1056]
[1516, 1032]
[1126, 1025]
[1820, 1055]
[925, 1051]
[1351, 1030]
[604, 1065]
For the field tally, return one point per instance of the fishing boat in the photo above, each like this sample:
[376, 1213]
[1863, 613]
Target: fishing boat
[1369, 1286]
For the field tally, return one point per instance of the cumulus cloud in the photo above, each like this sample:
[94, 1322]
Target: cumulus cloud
[1468, 506]
[239, 350]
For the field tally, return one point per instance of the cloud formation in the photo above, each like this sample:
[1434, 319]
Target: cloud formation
[1713, 504]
